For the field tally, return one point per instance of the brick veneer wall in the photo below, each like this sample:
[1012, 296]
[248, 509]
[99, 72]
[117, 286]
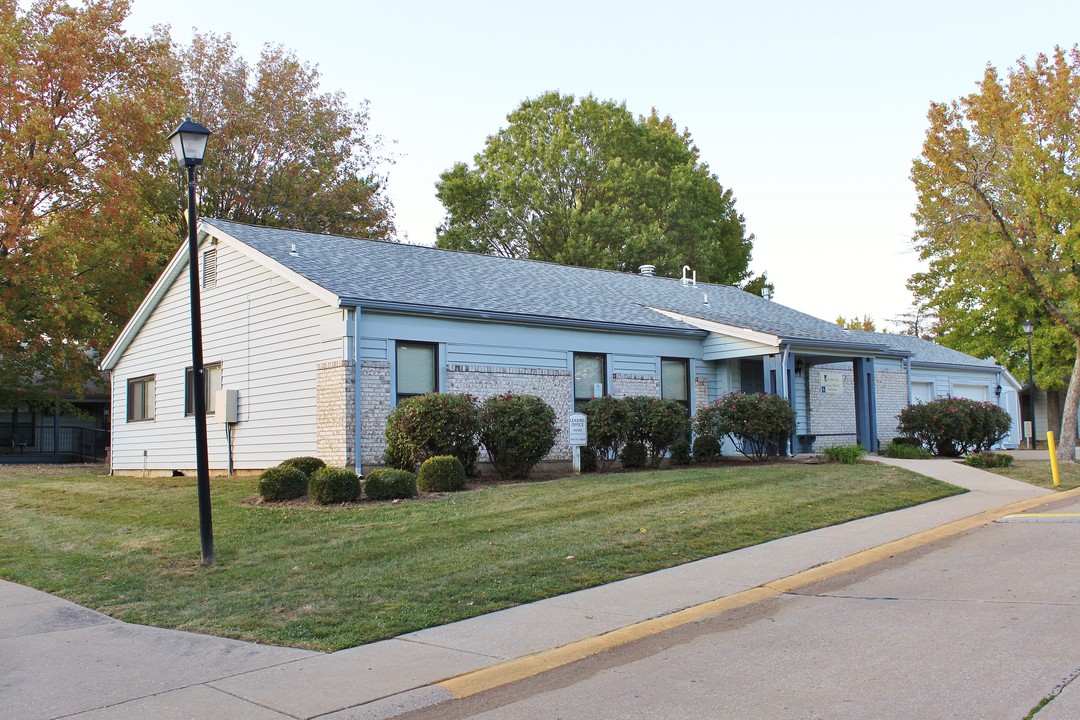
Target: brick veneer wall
[832, 413]
[374, 407]
[836, 413]
[335, 397]
[890, 387]
[555, 387]
[632, 384]
[701, 393]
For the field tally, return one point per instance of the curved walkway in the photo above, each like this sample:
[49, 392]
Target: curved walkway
[59, 660]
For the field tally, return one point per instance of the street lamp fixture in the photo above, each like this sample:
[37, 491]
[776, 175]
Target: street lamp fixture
[1029, 328]
[189, 144]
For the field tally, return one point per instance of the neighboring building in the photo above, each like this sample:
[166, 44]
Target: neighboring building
[78, 433]
[316, 338]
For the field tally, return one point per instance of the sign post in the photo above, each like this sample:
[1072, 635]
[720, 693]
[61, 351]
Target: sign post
[578, 436]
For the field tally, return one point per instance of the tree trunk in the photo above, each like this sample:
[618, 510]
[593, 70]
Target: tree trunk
[1067, 444]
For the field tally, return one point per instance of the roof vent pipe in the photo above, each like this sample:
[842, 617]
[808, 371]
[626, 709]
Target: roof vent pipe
[766, 293]
[292, 251]
[647, 270]
[685, 280]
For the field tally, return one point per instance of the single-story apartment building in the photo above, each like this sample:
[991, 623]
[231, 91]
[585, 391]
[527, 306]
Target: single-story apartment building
[310, 341]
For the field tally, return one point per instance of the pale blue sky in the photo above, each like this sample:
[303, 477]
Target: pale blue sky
[810, 112]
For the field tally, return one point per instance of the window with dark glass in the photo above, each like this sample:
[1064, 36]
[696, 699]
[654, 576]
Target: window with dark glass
[212, 374]
[140, 398]
[416, 369]
[590, 378]
[675, 380]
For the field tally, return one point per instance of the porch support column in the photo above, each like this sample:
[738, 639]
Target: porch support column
[865, 403]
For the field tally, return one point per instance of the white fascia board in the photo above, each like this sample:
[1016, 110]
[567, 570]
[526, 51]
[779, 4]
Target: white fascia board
[177, 264]
[755, 336]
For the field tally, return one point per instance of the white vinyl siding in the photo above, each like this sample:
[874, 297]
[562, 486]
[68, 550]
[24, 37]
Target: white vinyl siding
[266, 332]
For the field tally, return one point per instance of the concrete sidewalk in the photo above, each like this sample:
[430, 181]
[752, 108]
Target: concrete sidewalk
[58, 660]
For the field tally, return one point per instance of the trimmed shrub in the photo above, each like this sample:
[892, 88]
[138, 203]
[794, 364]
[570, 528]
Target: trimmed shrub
[654, 424]
[607, 430]
[433, 424]
[950, 427]
[906, 440]
[305, 464]
[331, 486]
[758, 423]
[389, 484]
[441, 473]
[706, 448]
[588, 459]
[847, 454]
[680, 452]
[517, 431]
[906, 452]
[989, 460]
[281, 483]
[634, 456]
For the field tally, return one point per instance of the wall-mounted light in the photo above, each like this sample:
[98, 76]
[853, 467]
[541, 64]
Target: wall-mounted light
[798, 366]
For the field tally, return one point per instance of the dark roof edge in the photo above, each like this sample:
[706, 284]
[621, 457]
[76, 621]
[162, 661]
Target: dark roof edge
[955, 366]
[518, 318]
[857, 347]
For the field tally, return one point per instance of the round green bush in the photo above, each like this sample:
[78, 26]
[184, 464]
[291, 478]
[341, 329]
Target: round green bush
[654, 424]
[680, 452]
[989, 460]
[433, 424]
[757, 423]
[330, 486]
[442, 473]
[951, 427]
[305, 464]
[389, 484]
[281, 483]
[706, 448]
[634, 456]
[608, 429]
[517, 431]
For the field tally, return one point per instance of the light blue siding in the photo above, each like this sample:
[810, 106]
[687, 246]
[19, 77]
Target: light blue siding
[636, 364]
[718, 347]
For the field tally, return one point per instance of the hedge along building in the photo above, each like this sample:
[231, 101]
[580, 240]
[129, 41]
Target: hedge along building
[311, 340]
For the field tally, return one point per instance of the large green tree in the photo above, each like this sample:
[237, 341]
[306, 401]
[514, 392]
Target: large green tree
[82, 111]
[998, 219]
[582, 182]
[284, 153]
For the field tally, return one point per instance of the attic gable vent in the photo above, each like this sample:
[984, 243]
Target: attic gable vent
[209, 268]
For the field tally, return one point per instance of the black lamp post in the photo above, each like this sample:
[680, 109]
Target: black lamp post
[189, 144]
[1029, 327]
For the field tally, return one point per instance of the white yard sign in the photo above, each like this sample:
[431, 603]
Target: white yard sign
[579, 430]
[831, 383]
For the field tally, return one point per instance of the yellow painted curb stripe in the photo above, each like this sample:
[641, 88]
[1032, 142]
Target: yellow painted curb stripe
[510, 671]
[1046, 515]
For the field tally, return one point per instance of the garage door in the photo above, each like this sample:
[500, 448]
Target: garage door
[972, 392]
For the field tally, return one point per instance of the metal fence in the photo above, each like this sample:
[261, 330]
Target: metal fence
[66, 443]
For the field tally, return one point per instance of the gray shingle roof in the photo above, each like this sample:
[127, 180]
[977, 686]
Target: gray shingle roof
[925, 351]
[382, 273]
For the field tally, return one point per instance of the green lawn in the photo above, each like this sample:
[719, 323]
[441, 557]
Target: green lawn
[1037, 472]
[338, 577]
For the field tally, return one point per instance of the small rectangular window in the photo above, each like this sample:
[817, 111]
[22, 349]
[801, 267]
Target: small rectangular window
[212, 374]
[675, 380]
[209, 268]
[590, 378]
[416, 369]
[141, 398]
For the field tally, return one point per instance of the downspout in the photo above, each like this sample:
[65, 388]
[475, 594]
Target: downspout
[907, 367]
[353, 328]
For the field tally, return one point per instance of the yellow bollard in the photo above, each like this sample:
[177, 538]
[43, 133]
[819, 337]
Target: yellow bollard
[1053, 458]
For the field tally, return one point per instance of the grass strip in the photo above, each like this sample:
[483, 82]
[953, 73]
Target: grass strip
[331, 578]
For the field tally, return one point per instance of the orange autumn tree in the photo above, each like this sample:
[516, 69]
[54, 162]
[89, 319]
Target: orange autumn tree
[998, 214]
[83, 109]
